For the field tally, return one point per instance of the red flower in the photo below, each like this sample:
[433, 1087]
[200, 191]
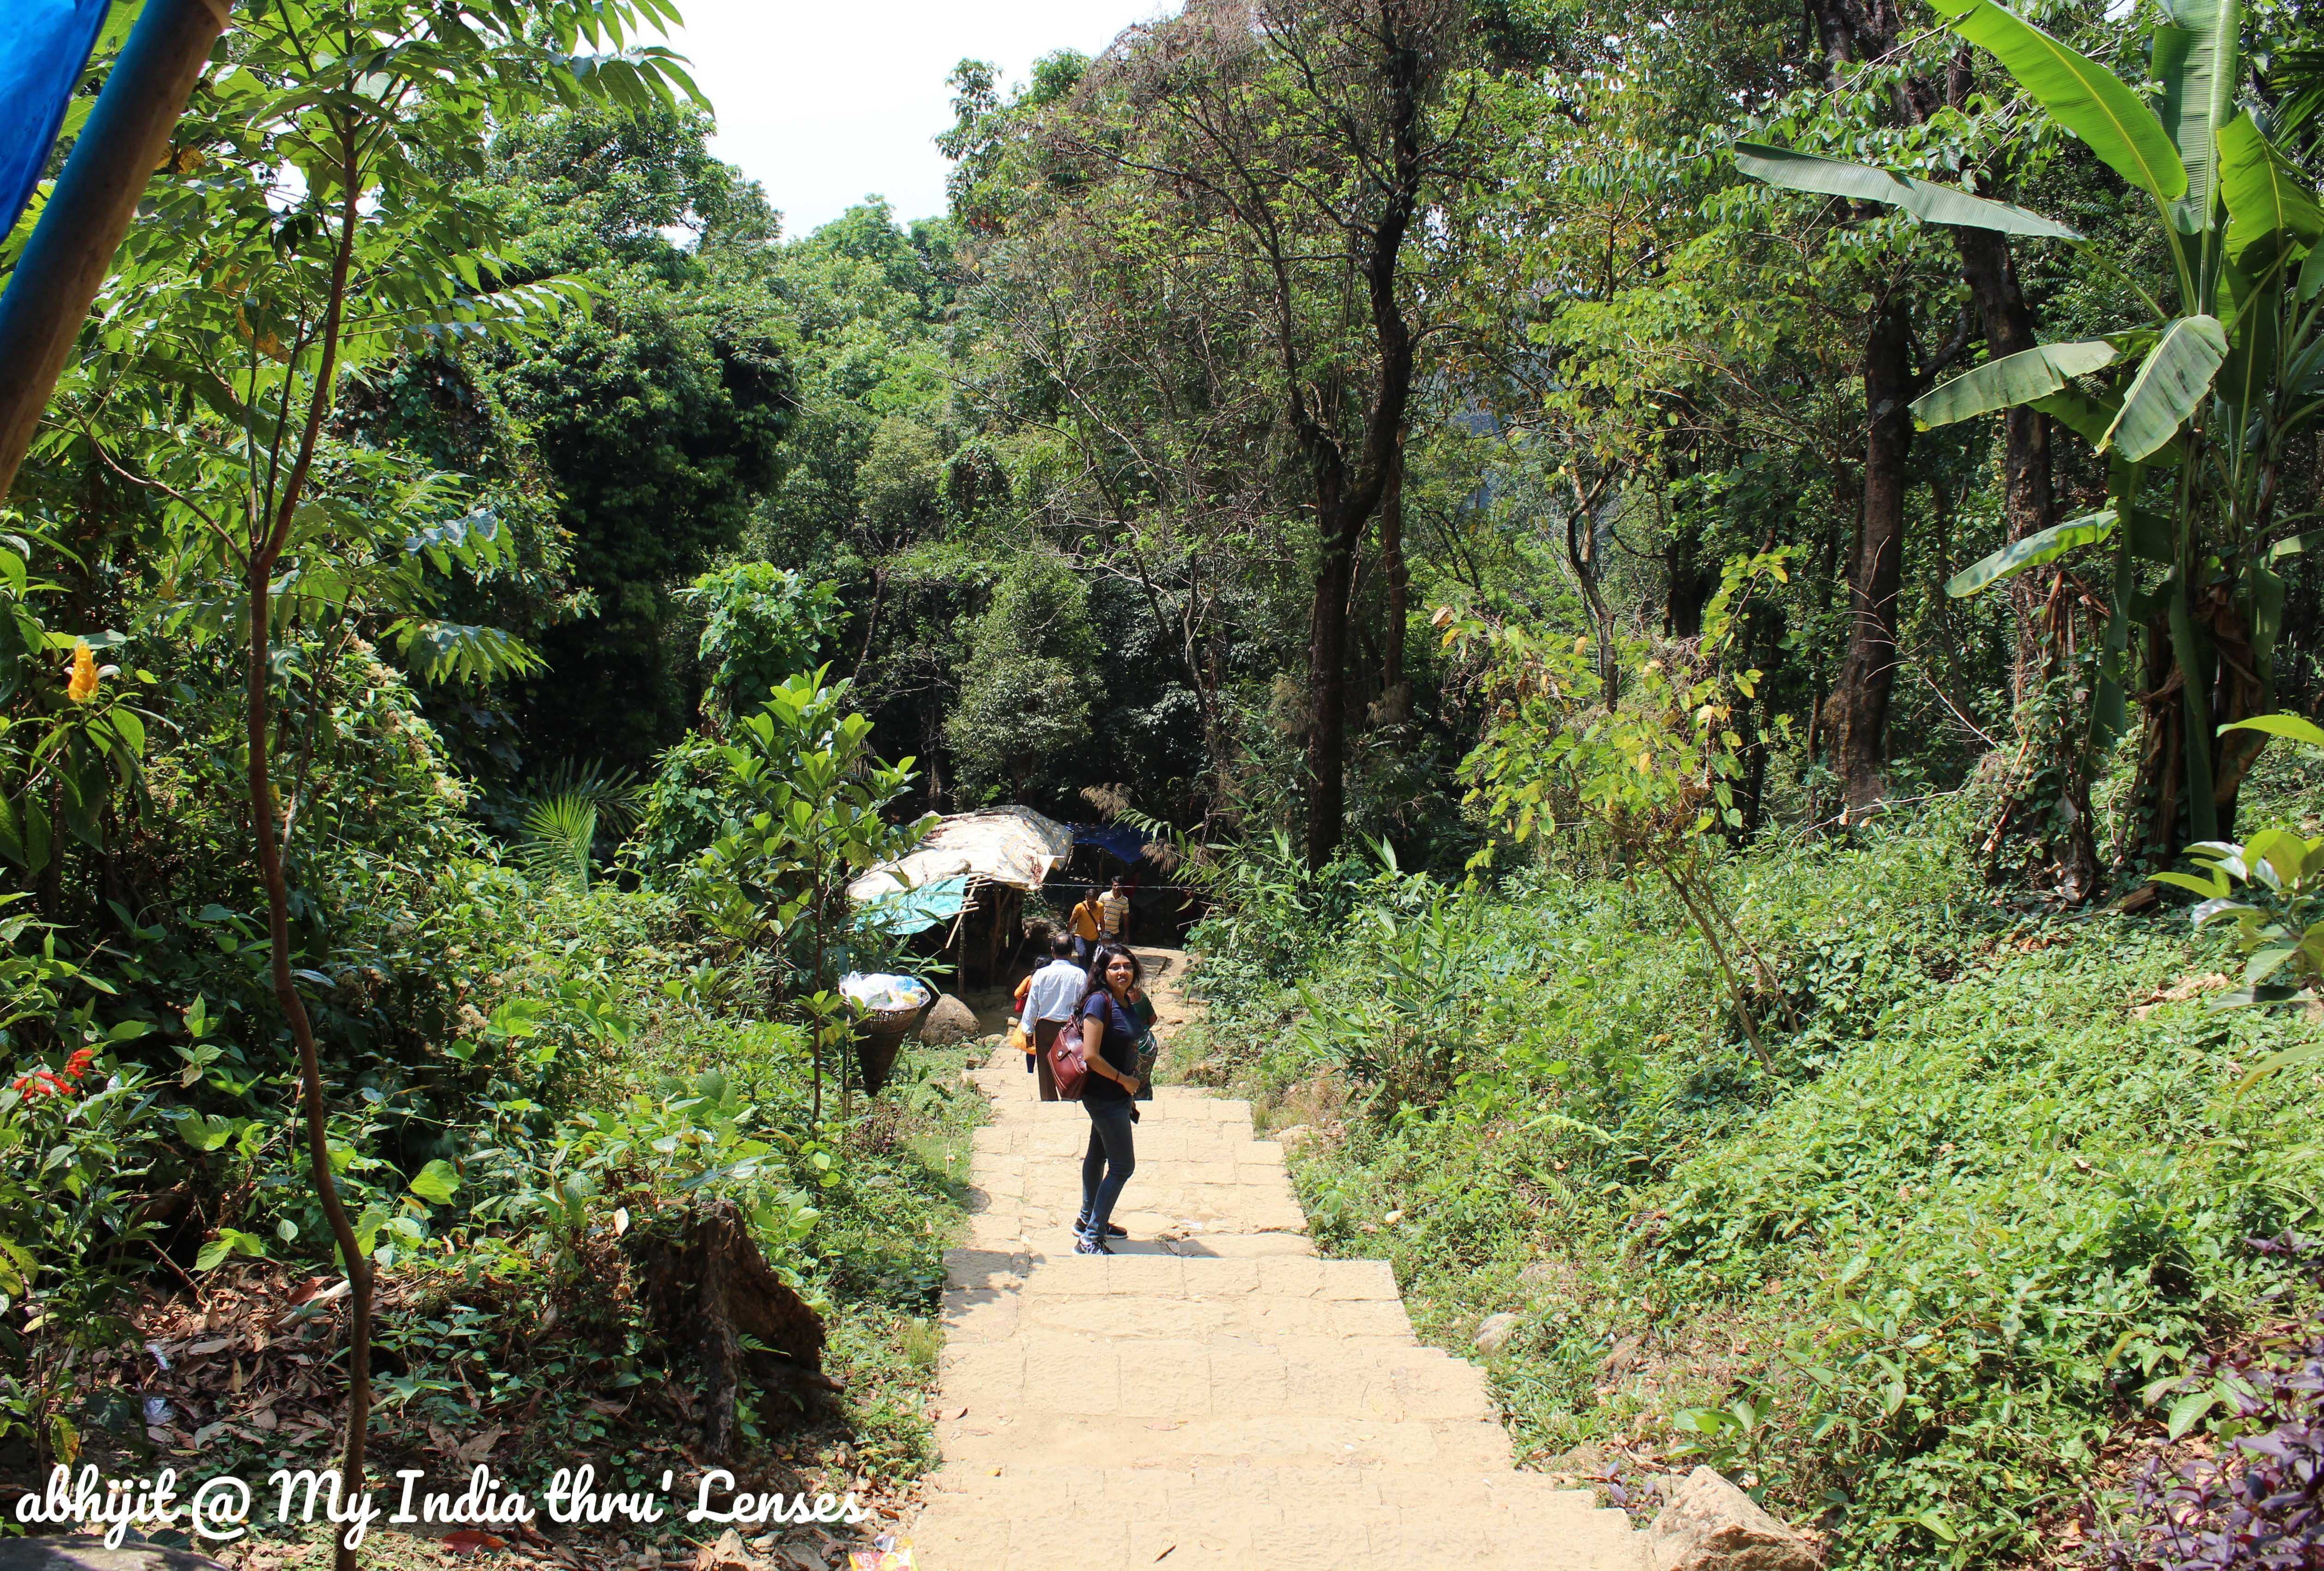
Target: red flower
[78, 1065]
[39, 1083]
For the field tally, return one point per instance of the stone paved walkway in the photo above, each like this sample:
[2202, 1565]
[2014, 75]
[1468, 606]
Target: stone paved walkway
[1213, 1395]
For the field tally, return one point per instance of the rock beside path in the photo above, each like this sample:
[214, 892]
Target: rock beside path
[1710, 1525]
[1494, 1334]
[949, 1021]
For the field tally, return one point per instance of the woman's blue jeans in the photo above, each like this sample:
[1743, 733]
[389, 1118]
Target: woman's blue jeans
[1107, 1165]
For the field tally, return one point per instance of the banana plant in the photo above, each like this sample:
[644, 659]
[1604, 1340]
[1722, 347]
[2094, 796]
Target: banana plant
[2194, 407]
[2271, 886]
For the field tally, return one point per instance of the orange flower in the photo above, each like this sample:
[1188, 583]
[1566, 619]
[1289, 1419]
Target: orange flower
[82, 687]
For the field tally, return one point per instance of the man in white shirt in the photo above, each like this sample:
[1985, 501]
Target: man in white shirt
[1052, 999]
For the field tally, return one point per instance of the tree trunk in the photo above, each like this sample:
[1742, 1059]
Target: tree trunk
[1327, 715]
[2240, 691]
[2028, 503]
[270, 535]
[1347, 495]
[1869, 671]
[2152, 827]
[703, 1280]
[1690, 581]
[2228, 683]
[1396, 695]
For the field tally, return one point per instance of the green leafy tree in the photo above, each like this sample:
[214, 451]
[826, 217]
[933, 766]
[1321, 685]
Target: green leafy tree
[215, 361]
[1651, 765]
[1025, 705]
[812, 802]
[658, 418]
[1267, 170]
[762, 625]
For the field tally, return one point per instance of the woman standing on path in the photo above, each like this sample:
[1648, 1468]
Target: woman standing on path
[1110, 1048]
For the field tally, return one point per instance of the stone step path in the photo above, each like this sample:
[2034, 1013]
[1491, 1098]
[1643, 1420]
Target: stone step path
[1213, 1394]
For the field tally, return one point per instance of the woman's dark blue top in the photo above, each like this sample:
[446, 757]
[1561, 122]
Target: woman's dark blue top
[1119, 1046]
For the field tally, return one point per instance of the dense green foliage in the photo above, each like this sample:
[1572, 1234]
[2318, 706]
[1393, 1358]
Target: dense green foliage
[279, 1000]
[1909, 1285]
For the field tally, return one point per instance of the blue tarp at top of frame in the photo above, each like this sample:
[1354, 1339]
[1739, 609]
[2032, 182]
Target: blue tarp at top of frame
[1124, 845]
[43, 45]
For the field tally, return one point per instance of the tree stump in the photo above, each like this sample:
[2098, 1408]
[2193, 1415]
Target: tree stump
[704, 1283]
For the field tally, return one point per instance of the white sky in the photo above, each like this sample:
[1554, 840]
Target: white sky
[825, 101]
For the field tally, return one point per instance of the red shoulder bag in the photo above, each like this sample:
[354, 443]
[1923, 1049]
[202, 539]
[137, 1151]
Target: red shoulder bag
[1065, 1065]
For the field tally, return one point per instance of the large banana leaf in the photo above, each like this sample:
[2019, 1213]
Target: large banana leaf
[2081, 95]
[2270, 203]
[2151, 535]
[2176, 376]
[1925, 200]
[2249, 372]
[2044, 545]
[2195, 55]
[2010, 380]
[2085, 416]
[2290, 727]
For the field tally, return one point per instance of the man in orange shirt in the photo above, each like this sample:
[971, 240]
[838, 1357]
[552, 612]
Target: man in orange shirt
[1088, 923]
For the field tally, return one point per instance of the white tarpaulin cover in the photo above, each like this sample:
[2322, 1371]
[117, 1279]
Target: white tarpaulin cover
[1007, 845]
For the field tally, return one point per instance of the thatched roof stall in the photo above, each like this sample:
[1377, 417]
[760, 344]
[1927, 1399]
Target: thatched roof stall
[975, 869]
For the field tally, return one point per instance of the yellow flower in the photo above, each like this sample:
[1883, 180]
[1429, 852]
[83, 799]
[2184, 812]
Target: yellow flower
[82, 686]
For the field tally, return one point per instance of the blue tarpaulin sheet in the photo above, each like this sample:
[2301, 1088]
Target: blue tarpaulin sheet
[1126, 844]
[905, 912]
[43, 45]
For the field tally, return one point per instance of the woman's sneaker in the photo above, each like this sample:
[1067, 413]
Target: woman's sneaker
[1085, 1245]
[1082, 1228]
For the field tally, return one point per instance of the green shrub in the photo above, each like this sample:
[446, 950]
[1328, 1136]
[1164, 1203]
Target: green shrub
[1907, 1285]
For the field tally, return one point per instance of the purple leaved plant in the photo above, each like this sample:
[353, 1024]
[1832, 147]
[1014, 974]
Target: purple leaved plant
[2258, 1505]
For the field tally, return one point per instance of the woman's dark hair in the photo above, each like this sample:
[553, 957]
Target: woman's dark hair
[1100, 962]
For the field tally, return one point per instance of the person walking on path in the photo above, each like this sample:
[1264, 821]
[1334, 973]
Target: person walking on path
[1110, 1048]
[1088, 925]
[1053, 997]
[1113, 911]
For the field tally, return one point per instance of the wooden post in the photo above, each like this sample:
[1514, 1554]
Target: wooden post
[88, 212]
